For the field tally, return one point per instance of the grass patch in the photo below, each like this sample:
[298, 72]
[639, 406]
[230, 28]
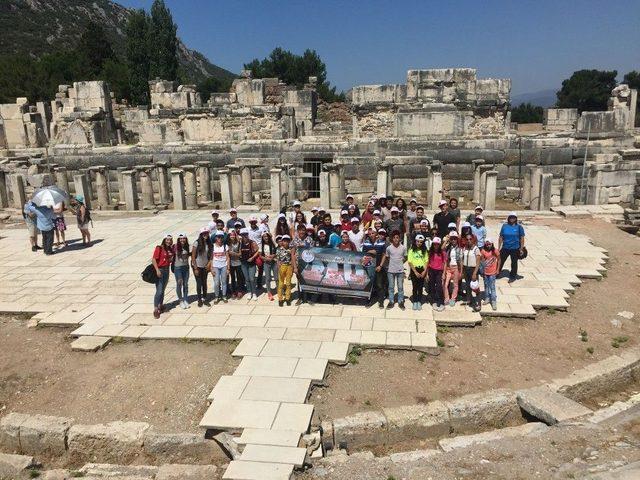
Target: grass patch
[590, 350]
[354, 354]
[367, 403]
[34, 473]
[617, 341]
[443, 329]
[76, 474]
[584, 336]
[422, 357]
[440, 342]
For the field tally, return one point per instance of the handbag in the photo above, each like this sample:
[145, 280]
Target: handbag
[524, 253]
[149, 274]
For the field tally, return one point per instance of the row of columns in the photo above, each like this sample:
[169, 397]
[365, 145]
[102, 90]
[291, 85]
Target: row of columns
[432, 173]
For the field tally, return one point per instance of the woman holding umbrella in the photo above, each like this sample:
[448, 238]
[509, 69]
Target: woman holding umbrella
[42, 203]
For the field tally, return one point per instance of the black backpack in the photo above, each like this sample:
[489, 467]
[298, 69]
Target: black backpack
[149, 274]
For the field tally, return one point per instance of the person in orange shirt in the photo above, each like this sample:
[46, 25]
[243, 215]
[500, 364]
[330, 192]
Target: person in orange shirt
[490, 258]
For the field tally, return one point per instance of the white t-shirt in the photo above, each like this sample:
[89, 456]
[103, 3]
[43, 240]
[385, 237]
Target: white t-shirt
[357, 239]
[256, 235]
[219, 258]
[453, 257]
[469, 256]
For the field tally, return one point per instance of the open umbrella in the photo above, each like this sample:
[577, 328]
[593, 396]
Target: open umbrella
[49, 196]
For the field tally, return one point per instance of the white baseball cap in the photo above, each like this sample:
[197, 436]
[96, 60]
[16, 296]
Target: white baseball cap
[479, 207]
[394, 209]
[413, 200]
[253, 218]
[322, 209]
[479, 217]
[264, 216]
[420, 237]
[244, 230]
[296, 203]
[344, 212]
[355, 220]
[286, 237]
[349, 196]
[453, 235]
[233, 210]
[436, 240]
[314, 209]
[204, 229]
[377, 212]
[452, 225]
[466, 224]
[442, 202]
[281, 215]
[488, 240]
[512, 214]
[424, 221]
[215, 212]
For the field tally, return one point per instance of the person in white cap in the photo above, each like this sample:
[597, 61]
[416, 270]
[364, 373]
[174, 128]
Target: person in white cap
[219, 268]
[490, 267]
[233, 213]
[511, 244]
[181, 262]
[334, 237]
[356, 234]
[417, 258]
[436, 267]
[297, 208]
[349, 200]
[453, 270]
[395, 223]
[282, 226]
[443, 218]
[161, 260]
[345, 220]
[367, 216]
[315, 219]
[264, 223]
[479, 230]
[200, 258]
[248, 253]
[287, 266]
[471, 218]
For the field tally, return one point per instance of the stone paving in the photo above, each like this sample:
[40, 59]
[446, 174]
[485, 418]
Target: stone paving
[284, 350]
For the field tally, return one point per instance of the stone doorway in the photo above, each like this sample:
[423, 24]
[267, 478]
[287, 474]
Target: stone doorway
[310, 174]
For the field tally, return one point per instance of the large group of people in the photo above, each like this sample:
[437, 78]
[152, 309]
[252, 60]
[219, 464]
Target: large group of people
[444, 258]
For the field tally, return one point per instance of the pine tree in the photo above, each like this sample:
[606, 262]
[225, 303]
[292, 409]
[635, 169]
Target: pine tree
[137, 55]
[163, 43]
[94, 49]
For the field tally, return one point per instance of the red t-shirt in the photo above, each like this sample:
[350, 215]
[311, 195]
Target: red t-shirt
[162, 256]
[437, 261]
[490, 261]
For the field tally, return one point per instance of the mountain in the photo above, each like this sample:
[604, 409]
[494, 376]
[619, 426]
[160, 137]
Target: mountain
[36, 27]
[542, 98]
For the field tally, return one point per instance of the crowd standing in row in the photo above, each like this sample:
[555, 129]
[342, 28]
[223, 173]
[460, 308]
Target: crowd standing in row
[445, 257]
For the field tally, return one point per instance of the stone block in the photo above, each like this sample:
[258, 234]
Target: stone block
[99, 470]
[42, 434]
[181, 448]
[533, 428]
[89, 343]
[418, 421]
[110, 442]
[186, 472]
[360, 430]
[10, 431]
[15, 466]
[549, 406]
[485, 410]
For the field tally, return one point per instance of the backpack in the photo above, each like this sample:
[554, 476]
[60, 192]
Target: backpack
[149, 274]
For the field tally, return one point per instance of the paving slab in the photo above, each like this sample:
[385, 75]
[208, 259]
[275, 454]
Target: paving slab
[276, 454]
[89, 344]
[249, 347]
[293, 416]
[213, 333]
[235, 414]
[262, 332]
[64, 319]
[290, 348]
[374, 338]
[241, 470]
[317, 334]
[277, 389]
[169, 331]
[266, 367]
[312, 368]
[229, 387]
[549, 406]
[283, 438]
[286, 321]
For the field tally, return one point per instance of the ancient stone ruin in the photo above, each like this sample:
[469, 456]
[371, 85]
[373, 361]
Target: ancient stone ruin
[442, 133]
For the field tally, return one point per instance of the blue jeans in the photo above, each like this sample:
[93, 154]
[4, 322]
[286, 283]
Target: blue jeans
[398, 279]
[182, 282]
[249, 272]
[219, 280]
[270, 272]
[490, 288]
[161, 284]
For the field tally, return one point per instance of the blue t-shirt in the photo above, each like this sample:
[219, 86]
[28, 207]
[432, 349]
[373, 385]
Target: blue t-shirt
[480, 233]
[334, 240]
[44, 216]
[511, 236]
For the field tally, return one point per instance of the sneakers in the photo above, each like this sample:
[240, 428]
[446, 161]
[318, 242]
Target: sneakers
[380, 305]
[485, 301]
[34, 249]
[156, 313]
[419, 305]
[217, 301]
[255, 298]
[452, 303]
[389, 305]
[281, 303]
[288, 303]
[494, 306]
[183, 305]
[199, 302]
[298, 302]
[207, 303]
[401, 305]
[414, 306]
[251, 297]
[224, 299]
[270, 296]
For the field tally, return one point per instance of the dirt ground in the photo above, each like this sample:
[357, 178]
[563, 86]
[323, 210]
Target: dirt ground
[164, 383]
[502, 353]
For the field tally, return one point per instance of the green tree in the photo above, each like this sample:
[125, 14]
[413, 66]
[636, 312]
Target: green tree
[163, 43]
[295, 70]
[633, 80]
[137, 57]
[587, 90]
[94, 49]
[527, 113]
[212, 85]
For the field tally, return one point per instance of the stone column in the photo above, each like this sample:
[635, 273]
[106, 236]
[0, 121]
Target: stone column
[130, 189]
[436, 190]
[190, 186]
[526, 184]
[177, 187]
[247, 187]
[545, 191]
[594, 194]
[102, 185]
[275, 176]
[120, 178]
[81, 183]
[204, 177]
[490, 188]
[536, 178]
[17, 191]
[61, 178]
[325, 188]
[236, 185]
[482, 170]
[162, 170]
[336, 188]
[385, 179]
[476, 180]
[89, 190]
[225, 187]
[4, 199]
[146, 187]
[569, 183]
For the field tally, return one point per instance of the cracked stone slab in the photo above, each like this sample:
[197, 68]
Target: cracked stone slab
[257, 436]
[276, 454]
[228, 388]
[241, 470]
[549, 406]
[266, 367]
[233, 414]
[293, 416]
[89, 344]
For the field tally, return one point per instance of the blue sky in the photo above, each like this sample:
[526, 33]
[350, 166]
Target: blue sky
[535, 43]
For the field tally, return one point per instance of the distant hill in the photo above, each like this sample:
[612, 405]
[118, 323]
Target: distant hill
[37, 27]
[542, 98]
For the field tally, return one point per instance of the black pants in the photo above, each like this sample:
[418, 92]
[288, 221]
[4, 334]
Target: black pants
[467, 274]
[47, 241]
[381, 285]
[435, 286]
[514, 254]
[418, 285]
[260, 275]
[201, 275]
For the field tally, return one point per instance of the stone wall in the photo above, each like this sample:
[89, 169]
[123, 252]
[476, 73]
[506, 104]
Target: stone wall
[560, 119]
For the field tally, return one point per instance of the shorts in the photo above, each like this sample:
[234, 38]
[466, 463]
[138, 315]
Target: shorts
[83, 226]
[32, 229]
[60, 224]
